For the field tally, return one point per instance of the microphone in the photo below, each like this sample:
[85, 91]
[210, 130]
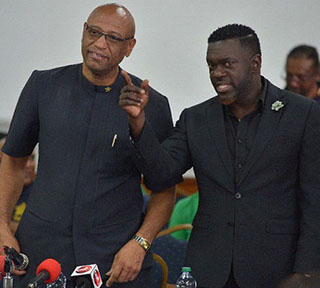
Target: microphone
[2, 263]
[87, 276]
[6, 264]
[47, 272]
[20, 260]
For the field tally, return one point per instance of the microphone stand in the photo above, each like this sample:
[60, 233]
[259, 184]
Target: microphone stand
[7, 281]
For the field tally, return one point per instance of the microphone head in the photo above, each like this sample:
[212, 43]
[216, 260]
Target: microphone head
[2, 261]
[52, 267]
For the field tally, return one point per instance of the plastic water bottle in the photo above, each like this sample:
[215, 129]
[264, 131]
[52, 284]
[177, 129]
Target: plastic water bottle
[61, 282]
[186, 280]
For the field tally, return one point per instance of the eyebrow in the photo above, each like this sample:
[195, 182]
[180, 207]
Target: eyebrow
[100, 30]
[222, 60]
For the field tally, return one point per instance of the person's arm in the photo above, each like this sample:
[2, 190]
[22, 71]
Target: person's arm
[14, 226]
[160, 164]
[128, 261]
[11, 184]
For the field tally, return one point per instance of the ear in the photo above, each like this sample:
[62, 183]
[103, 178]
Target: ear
[130, 47]
[83, 31]
[84, 27]
[256, 61]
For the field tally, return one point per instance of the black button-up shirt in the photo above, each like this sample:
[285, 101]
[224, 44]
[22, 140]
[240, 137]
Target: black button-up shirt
[241, 133]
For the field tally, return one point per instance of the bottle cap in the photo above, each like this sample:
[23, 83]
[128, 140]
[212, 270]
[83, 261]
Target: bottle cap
[186, 269]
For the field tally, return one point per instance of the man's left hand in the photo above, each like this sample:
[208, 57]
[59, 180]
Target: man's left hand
[126, 264]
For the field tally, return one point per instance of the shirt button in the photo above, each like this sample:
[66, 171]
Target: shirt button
[239, 165]
[239, 141]
[230, 223]
[238, 195]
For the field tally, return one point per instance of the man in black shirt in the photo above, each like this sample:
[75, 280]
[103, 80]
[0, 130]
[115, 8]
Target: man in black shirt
[255, 151]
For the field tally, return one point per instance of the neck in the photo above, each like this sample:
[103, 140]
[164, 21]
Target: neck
[247, 103]
[98, 79]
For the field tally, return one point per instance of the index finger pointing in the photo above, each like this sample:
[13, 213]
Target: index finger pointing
[145, 86]
[126, 77]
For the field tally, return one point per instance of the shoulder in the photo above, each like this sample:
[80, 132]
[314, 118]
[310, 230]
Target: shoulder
[154, 95]
[289, 96]
[203, 106]
[64, 72]
[157, 111]
[295, 103]
[201, 109]
[158, 103]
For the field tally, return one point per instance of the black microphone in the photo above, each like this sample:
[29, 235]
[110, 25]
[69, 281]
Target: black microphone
[87, 276]
[39, 279]
[7, 281]
[47, 272]
[20, 260]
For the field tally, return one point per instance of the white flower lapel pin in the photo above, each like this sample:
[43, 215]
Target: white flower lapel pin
[277, 105]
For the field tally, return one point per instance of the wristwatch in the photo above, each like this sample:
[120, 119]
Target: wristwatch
[142, 242]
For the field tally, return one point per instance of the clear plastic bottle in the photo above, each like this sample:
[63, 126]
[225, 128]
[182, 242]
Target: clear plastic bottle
[61, 282]
[186, 280]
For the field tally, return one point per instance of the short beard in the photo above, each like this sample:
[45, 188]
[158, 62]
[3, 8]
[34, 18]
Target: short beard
[227, 101]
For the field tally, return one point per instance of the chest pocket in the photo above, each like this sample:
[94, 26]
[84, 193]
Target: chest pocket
[117, 154]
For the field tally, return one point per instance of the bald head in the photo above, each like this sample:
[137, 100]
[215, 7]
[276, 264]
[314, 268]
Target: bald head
[115, 9]
[102, 55]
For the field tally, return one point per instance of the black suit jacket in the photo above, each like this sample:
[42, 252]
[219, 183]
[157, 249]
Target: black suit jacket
[269, 224]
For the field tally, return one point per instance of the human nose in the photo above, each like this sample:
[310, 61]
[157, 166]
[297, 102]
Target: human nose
[101, 42]
[217, 71]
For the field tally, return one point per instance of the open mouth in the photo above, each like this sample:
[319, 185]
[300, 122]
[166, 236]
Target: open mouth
[222, 88]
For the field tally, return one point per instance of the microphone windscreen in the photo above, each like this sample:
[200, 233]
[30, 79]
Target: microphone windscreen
[52, 267]
[2, 261]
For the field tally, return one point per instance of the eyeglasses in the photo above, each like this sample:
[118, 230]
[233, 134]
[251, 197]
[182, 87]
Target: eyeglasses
[96, 34]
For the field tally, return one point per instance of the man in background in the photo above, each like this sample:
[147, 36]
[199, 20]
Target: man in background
[302, 72]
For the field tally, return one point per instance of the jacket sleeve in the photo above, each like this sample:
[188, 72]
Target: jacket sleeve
[163, 162]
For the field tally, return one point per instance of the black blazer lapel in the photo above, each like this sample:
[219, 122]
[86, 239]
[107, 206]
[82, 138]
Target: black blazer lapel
[267, 126]
[217, 132]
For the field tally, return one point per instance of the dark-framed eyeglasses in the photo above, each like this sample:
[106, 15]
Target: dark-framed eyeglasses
[96, 34]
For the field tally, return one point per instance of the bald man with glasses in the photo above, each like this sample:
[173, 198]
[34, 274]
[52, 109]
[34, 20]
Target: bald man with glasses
[86, 204]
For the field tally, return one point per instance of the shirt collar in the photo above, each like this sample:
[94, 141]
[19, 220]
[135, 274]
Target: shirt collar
[86, 84]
